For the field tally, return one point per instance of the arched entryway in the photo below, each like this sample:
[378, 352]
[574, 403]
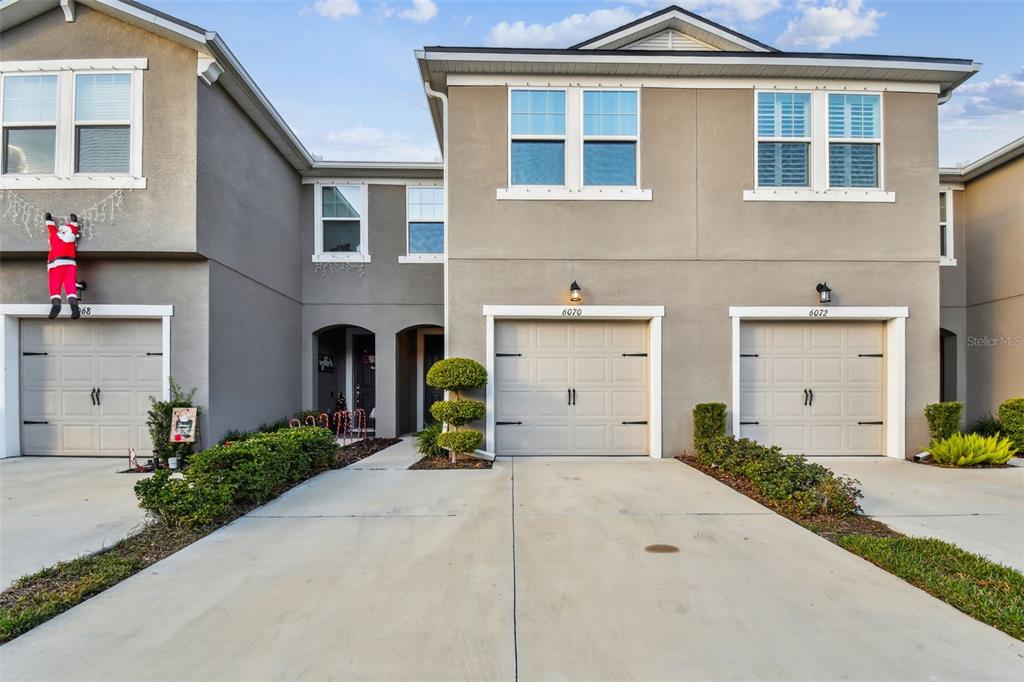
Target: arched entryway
[345, 364]
[947, 364]
[417, 348]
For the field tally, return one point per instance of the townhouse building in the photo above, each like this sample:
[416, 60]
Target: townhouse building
[666, 214]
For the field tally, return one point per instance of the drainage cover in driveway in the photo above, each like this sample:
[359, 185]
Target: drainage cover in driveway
[661, 549]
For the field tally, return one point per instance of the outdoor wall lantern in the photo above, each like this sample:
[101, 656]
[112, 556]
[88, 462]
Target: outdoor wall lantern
[575, 293]
[824, 293]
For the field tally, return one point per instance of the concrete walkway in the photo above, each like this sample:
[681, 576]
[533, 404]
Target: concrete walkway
[981, 510]
[56, 508]
[534, 570]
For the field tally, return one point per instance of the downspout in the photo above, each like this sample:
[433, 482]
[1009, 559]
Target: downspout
[444, 174]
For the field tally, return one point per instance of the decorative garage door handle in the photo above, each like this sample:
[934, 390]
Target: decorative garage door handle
[92, 396]
[805, 396]
[810, 392]
[574, 396]
[98, 401]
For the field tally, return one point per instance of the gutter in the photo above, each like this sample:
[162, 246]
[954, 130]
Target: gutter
[443, 98]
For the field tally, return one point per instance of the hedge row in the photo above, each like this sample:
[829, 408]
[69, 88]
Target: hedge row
[796, 485]
[238, 474]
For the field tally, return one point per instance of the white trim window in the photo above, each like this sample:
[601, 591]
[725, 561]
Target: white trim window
[74, 124]
[947, 256]
[537, 140]
[574, 143]
[424, 225]
[818, 146]
[783, 139]
[854, 140]
[611, 134]
[341, 230]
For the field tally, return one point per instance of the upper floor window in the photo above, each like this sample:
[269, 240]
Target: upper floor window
[341, 225]
[946, 254]
[854, 140]
[818, 146]
[610, 134]
[72, 124]
[424, 224]
[538, 137]
[573, 143]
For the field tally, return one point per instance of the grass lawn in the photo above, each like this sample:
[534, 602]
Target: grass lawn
[987, 591]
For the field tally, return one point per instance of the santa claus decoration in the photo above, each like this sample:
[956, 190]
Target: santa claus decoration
[61, 265]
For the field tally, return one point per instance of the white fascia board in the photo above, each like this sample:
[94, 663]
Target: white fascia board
[805, 312]
[637, 312]
[661, 18]
[75, 64]
[149, 17]
[95, 310]
[411, 182]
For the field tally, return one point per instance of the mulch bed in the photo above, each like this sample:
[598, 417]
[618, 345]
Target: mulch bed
[350, 454]
[829, 527]
[445, 463]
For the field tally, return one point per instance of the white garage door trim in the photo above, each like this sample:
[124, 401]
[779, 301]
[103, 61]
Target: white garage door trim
[10, 351]
[651, 313]
[895, 318]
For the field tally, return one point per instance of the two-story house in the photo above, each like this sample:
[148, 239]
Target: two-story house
[666, 214]
[981, 237]
[217, 250]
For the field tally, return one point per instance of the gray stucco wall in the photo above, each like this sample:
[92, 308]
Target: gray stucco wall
[162, 217]
[255, 352]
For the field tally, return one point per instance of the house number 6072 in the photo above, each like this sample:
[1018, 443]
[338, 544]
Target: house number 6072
[818, 312]
[572, 312]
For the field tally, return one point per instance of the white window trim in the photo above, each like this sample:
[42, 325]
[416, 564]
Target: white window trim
[584, 138]
[422, 257]
[818, 156]
[573, 138]
[319, 255]
[64, 175]
[950, 257]
[808, 140]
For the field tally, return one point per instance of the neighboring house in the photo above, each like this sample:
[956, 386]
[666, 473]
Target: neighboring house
[981, 214]
[699, 186]
[204, 224]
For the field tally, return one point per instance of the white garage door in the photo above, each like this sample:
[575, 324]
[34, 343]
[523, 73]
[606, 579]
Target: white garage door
[85, 385]
[813, 388]
[571, 388]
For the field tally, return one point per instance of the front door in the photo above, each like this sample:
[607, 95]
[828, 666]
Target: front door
[433, 350]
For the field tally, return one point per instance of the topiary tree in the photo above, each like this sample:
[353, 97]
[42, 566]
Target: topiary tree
[455, 375]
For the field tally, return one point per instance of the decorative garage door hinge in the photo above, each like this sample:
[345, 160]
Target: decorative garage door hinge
[29, 421]
[749, 355]
[634, 355]
[869, 355]
[508, 355]
[509, 423]
[634, 422]
[749, 423]
[866, 423]
[34, 353]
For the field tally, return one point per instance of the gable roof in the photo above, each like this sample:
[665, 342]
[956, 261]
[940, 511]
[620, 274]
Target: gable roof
[989, 162]
[680, 20]
[235, 80]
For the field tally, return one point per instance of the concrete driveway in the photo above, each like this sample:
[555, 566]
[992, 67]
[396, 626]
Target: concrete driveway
[535, 570]
[56, 508]
[981, 510]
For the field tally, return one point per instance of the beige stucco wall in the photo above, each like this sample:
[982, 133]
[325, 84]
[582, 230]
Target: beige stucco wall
[697, 247]
[994, 236]
[162, 217]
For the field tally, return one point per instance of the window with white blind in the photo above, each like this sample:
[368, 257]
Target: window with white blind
[538, 137]
[818, 146]
[946, 254]
[425, 219]
[72, 124]
[610, 136]
[783, 139]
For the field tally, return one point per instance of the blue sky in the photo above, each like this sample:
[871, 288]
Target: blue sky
[342, 72]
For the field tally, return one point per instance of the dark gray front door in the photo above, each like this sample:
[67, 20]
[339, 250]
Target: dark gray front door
[433, 350]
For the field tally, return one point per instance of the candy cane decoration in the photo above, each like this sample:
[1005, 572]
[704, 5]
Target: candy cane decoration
[294, 423]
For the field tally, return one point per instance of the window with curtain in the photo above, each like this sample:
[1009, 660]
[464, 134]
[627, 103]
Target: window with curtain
[537, 137]
[341, 216]
[103, 103]
[425, 206]
[29, 124]
[610, 134]
[783, 139]
[855, 139]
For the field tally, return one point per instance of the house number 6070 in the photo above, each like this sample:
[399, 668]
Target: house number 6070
[572, 312]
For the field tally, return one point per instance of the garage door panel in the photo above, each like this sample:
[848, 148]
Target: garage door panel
[78, 368]
[790, 437]
[865, 370]
[144, 444]
[150, 368]
[552, 337]
[826, 438]
[40, 439]
[629, 370]
[589, 371]
[116, 368]
[754, 370]
[864, 338]
[510, 338]
[787, 337]
[77, 403]
[78, 336]
[38, 368]
[785, 403]
[117, 403]
[866, 439]
[550, 371]
[629, 405]
[788, 370]
[753, 338]
[116, 439]
[79, 438]
[826, 370]
[590, 439]
[40, 405]
[589, 337]
[629, 338]
[630, 439]
[827, 404]
[865, 404]
[754, 404]
[826, 336]
[591, 403]
[514, 370]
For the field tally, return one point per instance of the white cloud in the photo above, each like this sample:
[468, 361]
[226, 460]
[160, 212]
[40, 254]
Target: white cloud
[1002, 95]
[564, 33]
[720, 10]
[337, 9]
[366, 143]
[421, 11]
[822, 26]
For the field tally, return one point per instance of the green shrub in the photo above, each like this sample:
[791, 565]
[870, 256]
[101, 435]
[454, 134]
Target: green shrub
[178, 502]
[964, 450]
[460, 442]
[708, 423]
[458, 412]
[158, 420]
[796, 485]
[457, 374]
[426, 441]
[944, 419]
[986, 425]
[1011, 414]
